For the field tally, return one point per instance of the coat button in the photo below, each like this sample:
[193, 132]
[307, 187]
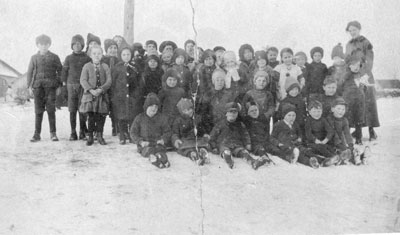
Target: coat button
[127, 74]
[127, 85]
[127, 96]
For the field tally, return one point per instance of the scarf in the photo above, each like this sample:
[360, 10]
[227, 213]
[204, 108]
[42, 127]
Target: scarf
[231, 74]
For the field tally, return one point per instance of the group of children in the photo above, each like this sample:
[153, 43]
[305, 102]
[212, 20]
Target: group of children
[196, 101]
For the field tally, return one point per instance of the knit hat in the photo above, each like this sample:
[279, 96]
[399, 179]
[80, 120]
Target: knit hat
[339, 101]
[217, 48]
[243, 48]
[229, 56]
[108, 43]
[91, 37]
[148, 42]
[354, 23]
[317, 49]
[232, 106]
[184, 104]
[337, 51]
[43, 39]
[261, 55]
[180, 52]
[78, 38]
[291, 83]
[208, 53]
[189, 41]
[287, 108]
[137, 46]
[151, 99]
[314, 104]
[301, 53]
[167, 43]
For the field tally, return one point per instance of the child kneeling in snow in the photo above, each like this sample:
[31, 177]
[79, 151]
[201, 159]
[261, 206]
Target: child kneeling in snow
[187, 130]
[150, 131]
[230, 137]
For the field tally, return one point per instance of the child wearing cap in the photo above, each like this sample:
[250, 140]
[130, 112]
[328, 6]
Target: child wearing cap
[43, 77]
[235, 79]
[202, 76]
[189, 135]
[318, 134]
[150, 131]
[166, 60]
[95, 81]
[219, 53]
[338, 69]
[272, 54]
[179, 60]
[151, 48]
[329, 96]
[70, 76]
[246, 56]
[316, 73]
[231, 138]
[152, 75]
[286, 142]
[92, 40]
[126, 93]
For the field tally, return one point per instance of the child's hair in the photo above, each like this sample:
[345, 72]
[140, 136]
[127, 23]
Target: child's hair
[301, 53]
[189, 41]
[43, 40]
[314, 104]
[261, 73]
[108, 43]
[77, 39]
[286, 50]
[147, 68]
[208, 53]
[315, 50]
[95, 47]
[274, 49]
[228, 56]
[137, 46]
[126, 48]
[261, 55]
[148, 42]
[171, 72]
[329, 80]
[180, 52]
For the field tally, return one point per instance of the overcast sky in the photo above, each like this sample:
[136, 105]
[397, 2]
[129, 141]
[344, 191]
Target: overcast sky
[298, 24]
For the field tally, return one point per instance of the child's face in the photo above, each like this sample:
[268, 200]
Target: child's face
[287, 58]
[77, 47]
[337, 60]
[247, 55]
[96, 54]
[126, 56]
[231, 115]
[230, 63]
[219, 54]
[153, 64]
[152, 110]
[112, 50]
[171, 81]
[43, 48]
[355, 67]
[209, 61]
[118, 40]
[272, 56]
[290, 117]
[166, 57]
[188, 112]
[190, 49]
[151, 49]
[330, 89]
[317, 57]
[179, 60]
[294, 92]
[253, 111]
[260, 83]
[92, 43]
[300, 61]
[168, 49]
[315, 113]
[354, 31]
[219, 82]
[261, 63]
[338, 110]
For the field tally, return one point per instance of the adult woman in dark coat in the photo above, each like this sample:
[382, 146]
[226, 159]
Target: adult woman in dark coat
[359, 44]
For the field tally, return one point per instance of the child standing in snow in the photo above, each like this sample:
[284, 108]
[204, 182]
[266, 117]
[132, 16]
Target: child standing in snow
[235, 79]
[150, 131]
[151, 77]
[70, 76]
[261, 64]
[338, 69]
[202, 77]
[43, 77]
[316, 73]
[95, 81]
[246, 55]
[179, 59]
[272, 54]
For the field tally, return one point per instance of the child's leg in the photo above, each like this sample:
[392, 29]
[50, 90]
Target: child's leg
[83, 129]
[100, 120]
[123, 126]
[226, 154]
[50, 100]
[91, 127]
[308, 158]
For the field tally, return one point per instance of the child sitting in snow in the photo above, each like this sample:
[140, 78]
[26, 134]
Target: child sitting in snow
[150, 131]
[338, 69]
[189, 134]
[231, 138]
[329, 96]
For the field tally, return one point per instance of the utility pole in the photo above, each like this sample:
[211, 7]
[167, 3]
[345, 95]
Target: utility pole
[129, 13]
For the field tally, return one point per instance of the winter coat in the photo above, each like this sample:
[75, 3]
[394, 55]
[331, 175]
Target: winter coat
[327, 102]
[341, 130]
[151, 129]
[283, 134]
[216, 101]
[72, 68]
[338, 73]
[239, 88]
[126, 92]
[184, 78]
[44, 71]
[264, 99]
[183, 128]
[229, 135]
[169, 97]
[299, 103]
[204, 75]
[258, 129]
[318, 129]
[317, 73]
[151, 80]
[88, 80]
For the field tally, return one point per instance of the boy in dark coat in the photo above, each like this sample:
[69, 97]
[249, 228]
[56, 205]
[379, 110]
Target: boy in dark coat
[231, 138]
[150, 131]
[43, 77]
[189, 135]
[179, 59]
[126, 94]
[329, 96]
[202, 76]
[70, 76]
[152, 75]
[316, 73]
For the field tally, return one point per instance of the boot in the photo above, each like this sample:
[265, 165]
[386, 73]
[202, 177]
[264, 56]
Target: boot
[204, 158]
[366, 155]
[36, 137]
[314, 162]
[73, 136]
[100, 138]
[53, 136]
[260, 162]
[331, 161]
[372, 134]
[122, 139]
[228, 159]
[114, 131]
[193, 156]
[164, 159]
[356, 157]
[82, 135]
[295, 156]
[90, 139]
[345, 157]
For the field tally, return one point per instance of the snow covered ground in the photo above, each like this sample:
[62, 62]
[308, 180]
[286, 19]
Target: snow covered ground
[68, 188]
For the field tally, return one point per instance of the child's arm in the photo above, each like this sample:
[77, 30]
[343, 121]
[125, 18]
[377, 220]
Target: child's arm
[84, 79]
[175, 138]
[30, 74]
[329, 131]
[58, 69]
[274, 139]
[245, 137]
[64, 72]
[108, 82]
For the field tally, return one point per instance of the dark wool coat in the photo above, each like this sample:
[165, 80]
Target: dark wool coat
[169, 97]
[111, 61]
[185, 78]
[151, 129]
[316, 76]
[126, 93]
[355, 99]
[342, 131]
[318, 129]
[183, 128]
[264, 99]
[216, 101]
[229, 135]
[327, 102]
[151, 80]
[204, 74]
[299, 103]
[44, 70]
[258, 129]
[239, 88]
[283, 134]
[338, 73]
[72, 68]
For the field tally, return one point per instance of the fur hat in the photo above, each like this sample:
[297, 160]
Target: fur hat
[91, 37]
[243, 48]
[171, 72]
[287, 108]
[229, 56]
[216, 72]
[354, 23]
[208, 53]
[184, 104]
[261, 55]
[108, 43]
[151, 99]
[43, 39]
[291, 83]
[339, 101]
[317, 49]
[232, 106]
[167, 43]
[217, 48]
[189, 41]
[337, 51]
[180, 52]
[301, 53]
[148, 42]
[78, 38]
[137, 46]
[314, 104]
